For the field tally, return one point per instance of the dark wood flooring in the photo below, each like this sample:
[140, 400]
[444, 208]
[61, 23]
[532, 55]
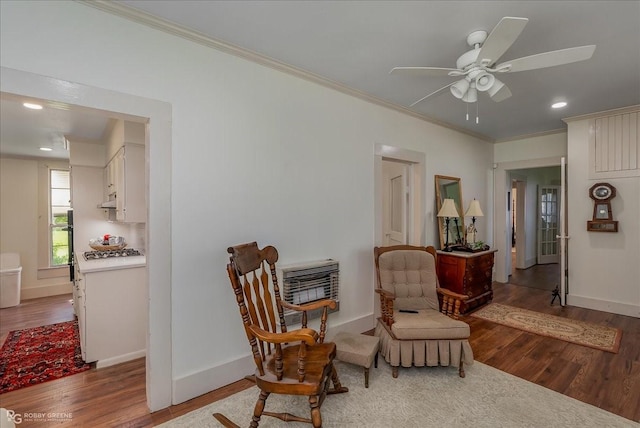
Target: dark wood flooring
[544, 277]
[115, 396]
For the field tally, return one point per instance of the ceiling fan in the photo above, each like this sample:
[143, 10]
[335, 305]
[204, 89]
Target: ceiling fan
[477, 66]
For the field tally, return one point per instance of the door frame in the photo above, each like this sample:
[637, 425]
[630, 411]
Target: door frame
[521, 215]
[416, 206]
[157, 115]
[392, 169]
[501, 229]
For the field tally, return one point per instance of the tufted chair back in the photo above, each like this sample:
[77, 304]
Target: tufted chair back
[411, 275]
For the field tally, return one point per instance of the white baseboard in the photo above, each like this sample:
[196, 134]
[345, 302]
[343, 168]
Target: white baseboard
[120, 359]
[195, 384]
[629, 310]
[46, 291]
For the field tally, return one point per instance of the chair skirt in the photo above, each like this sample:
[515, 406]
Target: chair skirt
[420, 353]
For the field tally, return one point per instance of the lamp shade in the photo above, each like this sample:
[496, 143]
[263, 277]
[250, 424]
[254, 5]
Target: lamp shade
[472, 94]
[459, 88]
[474, 209]
[485, 81]
[448, 209]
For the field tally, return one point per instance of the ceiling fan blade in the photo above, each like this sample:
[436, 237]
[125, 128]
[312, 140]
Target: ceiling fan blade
[500, 39]
[423, 71]
[548, 59]
[432, 93]
[501, 94]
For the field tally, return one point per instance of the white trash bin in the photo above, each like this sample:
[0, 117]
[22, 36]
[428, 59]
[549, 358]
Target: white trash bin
[10, 279]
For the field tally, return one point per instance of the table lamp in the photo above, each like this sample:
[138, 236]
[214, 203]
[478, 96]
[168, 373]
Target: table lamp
[473, 211]
[448, 211]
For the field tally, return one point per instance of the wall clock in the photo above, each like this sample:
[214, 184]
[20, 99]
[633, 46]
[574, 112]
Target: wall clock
[602, 221]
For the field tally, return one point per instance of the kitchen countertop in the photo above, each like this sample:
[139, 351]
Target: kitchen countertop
[111, 263]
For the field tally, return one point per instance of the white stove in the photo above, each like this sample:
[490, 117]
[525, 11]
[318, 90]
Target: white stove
[94, 261]
[124, 252]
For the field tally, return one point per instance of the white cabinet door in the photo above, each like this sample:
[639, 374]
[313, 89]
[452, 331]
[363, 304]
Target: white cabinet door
[120, 184]
[115, 323]
[124, 181]
[135, 207]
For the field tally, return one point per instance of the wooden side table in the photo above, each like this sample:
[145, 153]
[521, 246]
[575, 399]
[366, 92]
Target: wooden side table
[469, 274]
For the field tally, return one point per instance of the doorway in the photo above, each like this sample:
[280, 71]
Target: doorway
[402, 170]
[396, 197]
[517, 259]
[158, 177]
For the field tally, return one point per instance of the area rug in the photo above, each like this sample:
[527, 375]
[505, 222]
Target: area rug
[420, 397]
[574, 331]
[35, 355]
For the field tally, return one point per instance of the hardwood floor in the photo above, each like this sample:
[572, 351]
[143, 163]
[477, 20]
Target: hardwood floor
[545, 277]
[115, 396]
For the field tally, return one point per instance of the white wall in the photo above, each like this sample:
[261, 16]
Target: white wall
[604, 268]
[257, 155]
[19, 207]
[532, 147]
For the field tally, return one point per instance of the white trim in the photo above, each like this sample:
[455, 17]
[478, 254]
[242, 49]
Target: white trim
[158, 179]
[203, 381]
[152, 21]
[502, 182]
[596, 115]
[417, 175]
[620, 308]
[53, 272]
[45, 291]
[533, 135]
[108, 362]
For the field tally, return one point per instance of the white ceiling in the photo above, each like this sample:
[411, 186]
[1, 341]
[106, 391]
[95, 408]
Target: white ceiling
[357, 43]
[23, 131]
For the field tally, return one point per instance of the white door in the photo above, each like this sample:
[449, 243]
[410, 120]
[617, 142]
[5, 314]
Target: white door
[549, 206]
[395, 200]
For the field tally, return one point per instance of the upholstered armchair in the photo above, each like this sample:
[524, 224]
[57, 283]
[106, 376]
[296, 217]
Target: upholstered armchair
[419, 322]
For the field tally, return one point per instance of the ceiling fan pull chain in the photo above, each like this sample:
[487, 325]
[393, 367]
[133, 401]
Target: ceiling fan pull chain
[477, 118]
[467, 111]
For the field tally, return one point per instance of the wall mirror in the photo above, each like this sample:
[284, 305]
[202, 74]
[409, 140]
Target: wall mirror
[450, 188]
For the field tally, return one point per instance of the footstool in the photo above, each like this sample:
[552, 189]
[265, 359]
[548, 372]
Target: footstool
[358, 349]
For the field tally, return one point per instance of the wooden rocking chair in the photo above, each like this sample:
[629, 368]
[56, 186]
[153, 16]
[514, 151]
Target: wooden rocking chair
[287, 362]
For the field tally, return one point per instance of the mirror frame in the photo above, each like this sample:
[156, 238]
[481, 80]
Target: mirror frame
[444, 189]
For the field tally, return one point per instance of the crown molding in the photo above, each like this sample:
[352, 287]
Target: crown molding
[613, 112]
[532, 135]
[166, 26]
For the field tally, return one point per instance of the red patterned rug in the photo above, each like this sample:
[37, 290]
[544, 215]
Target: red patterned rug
[36, 355]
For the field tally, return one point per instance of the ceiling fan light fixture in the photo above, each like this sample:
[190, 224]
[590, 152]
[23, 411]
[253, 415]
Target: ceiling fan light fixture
[472, 94]
[460, 88]
[485, 81]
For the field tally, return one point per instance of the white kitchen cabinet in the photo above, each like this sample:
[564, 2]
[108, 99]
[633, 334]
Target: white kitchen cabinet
[112, 314]
[124, 184]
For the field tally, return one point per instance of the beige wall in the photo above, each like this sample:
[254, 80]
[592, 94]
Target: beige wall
[604, 268]
[20, 214]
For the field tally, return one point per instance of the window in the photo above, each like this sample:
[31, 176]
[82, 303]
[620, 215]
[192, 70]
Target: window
[59, 204]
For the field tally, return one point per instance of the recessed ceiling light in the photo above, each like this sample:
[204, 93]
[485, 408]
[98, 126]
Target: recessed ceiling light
[46, 149]
[559, 105]
[33, 106]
